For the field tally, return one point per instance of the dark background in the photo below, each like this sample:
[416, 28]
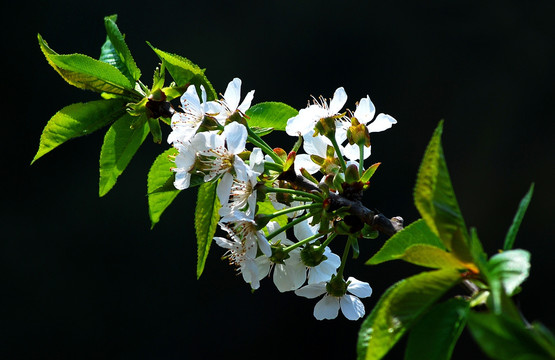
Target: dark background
[84, 277]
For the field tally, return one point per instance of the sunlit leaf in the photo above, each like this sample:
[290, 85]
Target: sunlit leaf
[185, 72]
[508, 269]
[434, 336]
[206, 221]
[115, 51]
[270, 115]
[158, 176]
[511, 235]
[120, 144]
[433, 194]
[416, 233]
[77, 120]
[501, 337]
[87, 73]
[398, 308]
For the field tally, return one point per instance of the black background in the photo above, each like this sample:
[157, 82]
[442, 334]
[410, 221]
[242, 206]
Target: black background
[84, 277]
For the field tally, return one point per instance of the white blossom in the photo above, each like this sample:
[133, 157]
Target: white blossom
[185, 124]
[309, 116]
[231, 98]
[328, 307]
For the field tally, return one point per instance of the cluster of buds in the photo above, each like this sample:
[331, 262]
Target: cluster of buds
[281, 210]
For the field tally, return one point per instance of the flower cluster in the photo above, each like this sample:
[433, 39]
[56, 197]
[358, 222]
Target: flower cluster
[279, 218]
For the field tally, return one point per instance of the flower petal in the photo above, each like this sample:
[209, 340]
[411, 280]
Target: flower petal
[327, 308]
[303, 161]
[339, 99]
[232, 94]
[311, 291]
[289, 276]
[365, 110]
[352, 152]
[304, 230]
[235, 135]
[246, 104]
[381, 123]
[351, 307]
[358, 288]
[224, 188]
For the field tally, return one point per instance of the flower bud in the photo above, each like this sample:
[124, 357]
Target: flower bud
[313, 254]
[325, 126]
[336, 286]
[358, 134]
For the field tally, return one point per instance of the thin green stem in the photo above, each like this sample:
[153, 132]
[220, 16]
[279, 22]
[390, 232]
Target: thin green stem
[257, 141]
[361, 161]
[294, 192]
[328, 240]
[288, 226]
[306, 241]
[344, 258]
[295, 208]
[338, 152]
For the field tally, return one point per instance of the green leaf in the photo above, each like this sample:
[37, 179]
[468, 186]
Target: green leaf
[77, 120]
[434, 336]
[369, 172]
[434, 196]
[501, 337]
[511, 235]
[120, 144]
[508, 270]
[206, 221]
[158, 176]
[184, 72]
[87, 73]
[267, 208]
[432, 257]
[116, 53]
[398, 308]
[416, 233]
[270, 115]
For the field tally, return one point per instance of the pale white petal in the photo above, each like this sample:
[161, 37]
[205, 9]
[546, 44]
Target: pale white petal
[304, 230]
[242, 171]
[311, 291]
[190, 100]
[182, 180]
[315, 145]
[381, 123]
[352, 152]
[297, 125]
[358, 288]
[232, 94]
[365, 110]
[223, 242]
[304, 161]
[246, 104]
[224, 188]
[352, 307]
[319, 274]
[263, 265]
[327, 308]
[339, 99]
[256, 160]
[273, 226]
[289, 277]
[264, 245]
[249, 270]
[235, 135]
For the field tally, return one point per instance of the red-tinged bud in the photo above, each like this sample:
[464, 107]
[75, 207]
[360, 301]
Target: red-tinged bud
[289, 161]
[351, 174]
[325, 126]
[281, 153]
[358, 134]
